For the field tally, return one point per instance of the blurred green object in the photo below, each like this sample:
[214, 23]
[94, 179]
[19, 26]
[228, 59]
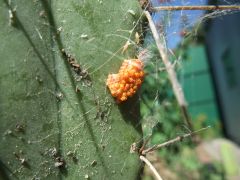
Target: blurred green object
[198, 85]
[229, 160]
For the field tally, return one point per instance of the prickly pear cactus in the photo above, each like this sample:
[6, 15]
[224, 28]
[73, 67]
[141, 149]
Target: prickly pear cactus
[57, 118]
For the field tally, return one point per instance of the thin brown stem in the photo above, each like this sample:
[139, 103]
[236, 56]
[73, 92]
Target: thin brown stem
[208, 8]
[177, 89]
[172, 141]
[152, 168]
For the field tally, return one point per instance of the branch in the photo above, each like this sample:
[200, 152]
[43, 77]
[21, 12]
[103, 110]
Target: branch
[172, 141]
[151, 167]
[179, 8]
[177, 89]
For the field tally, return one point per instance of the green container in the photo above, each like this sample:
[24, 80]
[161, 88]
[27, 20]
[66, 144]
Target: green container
[198, 86]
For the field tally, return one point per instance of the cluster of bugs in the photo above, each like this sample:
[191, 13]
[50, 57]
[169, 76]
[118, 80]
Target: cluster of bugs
[126, 82]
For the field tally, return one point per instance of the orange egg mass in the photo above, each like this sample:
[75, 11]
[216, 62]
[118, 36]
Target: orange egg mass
[129, 78]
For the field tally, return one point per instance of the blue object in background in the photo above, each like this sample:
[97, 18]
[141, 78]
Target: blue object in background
[223, 47]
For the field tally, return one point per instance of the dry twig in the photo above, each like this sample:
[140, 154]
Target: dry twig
[172, 141]
[208, 8]
[151, 167]
[177, 89]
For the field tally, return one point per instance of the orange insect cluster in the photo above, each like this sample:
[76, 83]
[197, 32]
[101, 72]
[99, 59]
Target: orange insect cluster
[127, 81]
